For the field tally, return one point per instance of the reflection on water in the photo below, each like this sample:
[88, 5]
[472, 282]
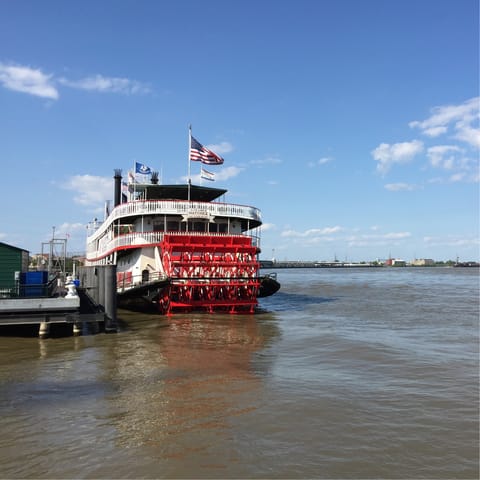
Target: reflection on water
[167, 388]
[190, 376]
[358, 374]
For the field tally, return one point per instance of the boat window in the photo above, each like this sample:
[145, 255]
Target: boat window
[198, 227]
[222, 228]
[172, 226]
[213, 228]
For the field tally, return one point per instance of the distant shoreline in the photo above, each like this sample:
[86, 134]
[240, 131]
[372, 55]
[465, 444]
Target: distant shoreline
[301, 264]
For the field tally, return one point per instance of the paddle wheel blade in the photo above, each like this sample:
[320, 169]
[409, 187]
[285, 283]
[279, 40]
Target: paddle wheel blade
[211, 273]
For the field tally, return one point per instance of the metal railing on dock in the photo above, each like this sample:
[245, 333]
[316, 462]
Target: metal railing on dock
[54, 302]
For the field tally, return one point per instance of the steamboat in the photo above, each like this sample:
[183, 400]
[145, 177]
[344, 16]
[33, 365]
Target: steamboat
[180, 248]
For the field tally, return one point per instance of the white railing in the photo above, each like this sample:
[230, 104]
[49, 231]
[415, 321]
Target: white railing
[177, 207]
[126, 283]
[144, 239]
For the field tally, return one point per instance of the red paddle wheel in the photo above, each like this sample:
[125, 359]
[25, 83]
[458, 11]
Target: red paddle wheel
[212, 273]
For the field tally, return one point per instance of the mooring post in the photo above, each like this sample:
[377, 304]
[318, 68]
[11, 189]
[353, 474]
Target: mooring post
[110, 300]
[100, 283]
[77, 329]
[44, 330]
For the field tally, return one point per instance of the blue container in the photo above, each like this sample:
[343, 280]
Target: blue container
[36, 278]
[33, 284]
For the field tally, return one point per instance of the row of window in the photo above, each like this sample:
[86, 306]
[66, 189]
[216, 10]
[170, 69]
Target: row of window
[207, 227]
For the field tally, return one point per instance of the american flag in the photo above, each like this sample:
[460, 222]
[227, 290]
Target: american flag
[199, 153]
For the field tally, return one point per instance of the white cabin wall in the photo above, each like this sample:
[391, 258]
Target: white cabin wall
[139, 260]
[144, 224]
[235, 227]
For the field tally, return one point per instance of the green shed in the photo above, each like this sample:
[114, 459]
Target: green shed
[12, 260]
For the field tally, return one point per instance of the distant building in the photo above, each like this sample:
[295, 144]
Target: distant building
[423, 262]
[395, 262]
[38, 261]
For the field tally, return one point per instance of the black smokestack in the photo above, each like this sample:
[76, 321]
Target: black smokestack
[118, 187]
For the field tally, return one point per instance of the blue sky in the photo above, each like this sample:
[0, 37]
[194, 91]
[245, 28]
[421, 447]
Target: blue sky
[353, 125]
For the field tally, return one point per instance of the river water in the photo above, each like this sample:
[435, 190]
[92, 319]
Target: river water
[348, 373]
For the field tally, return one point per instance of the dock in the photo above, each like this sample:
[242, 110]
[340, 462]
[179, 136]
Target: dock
[91, 303]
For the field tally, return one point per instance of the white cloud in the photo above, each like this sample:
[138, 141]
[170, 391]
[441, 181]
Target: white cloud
[458, 117]
[397, 235]
[453, 159]
[400, 187]
[444, 156]
[228, 172]
[320, 162]
[90, 190]
[313, 232]
[378, 240]
[28, 80]
[268, 160]
[434, 131]
[458, 156]
[268, 226]
[99, 83]
[220, 148]
[69, 228]
[399, 153]
[223, 174]
[34, 82]
[468, 134]
[457, 177]
[339, 237]
[452, 241]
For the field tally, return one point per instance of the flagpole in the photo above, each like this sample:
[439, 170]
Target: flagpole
[189, 148]
[134, 180]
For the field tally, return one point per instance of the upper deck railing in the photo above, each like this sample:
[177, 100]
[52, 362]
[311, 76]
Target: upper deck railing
[141, 239]
[176, 207]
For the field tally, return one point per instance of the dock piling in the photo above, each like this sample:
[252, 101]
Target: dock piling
[43, 330]
[110, 292]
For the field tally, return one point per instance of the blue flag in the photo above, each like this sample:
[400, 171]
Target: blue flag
[142, 169]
